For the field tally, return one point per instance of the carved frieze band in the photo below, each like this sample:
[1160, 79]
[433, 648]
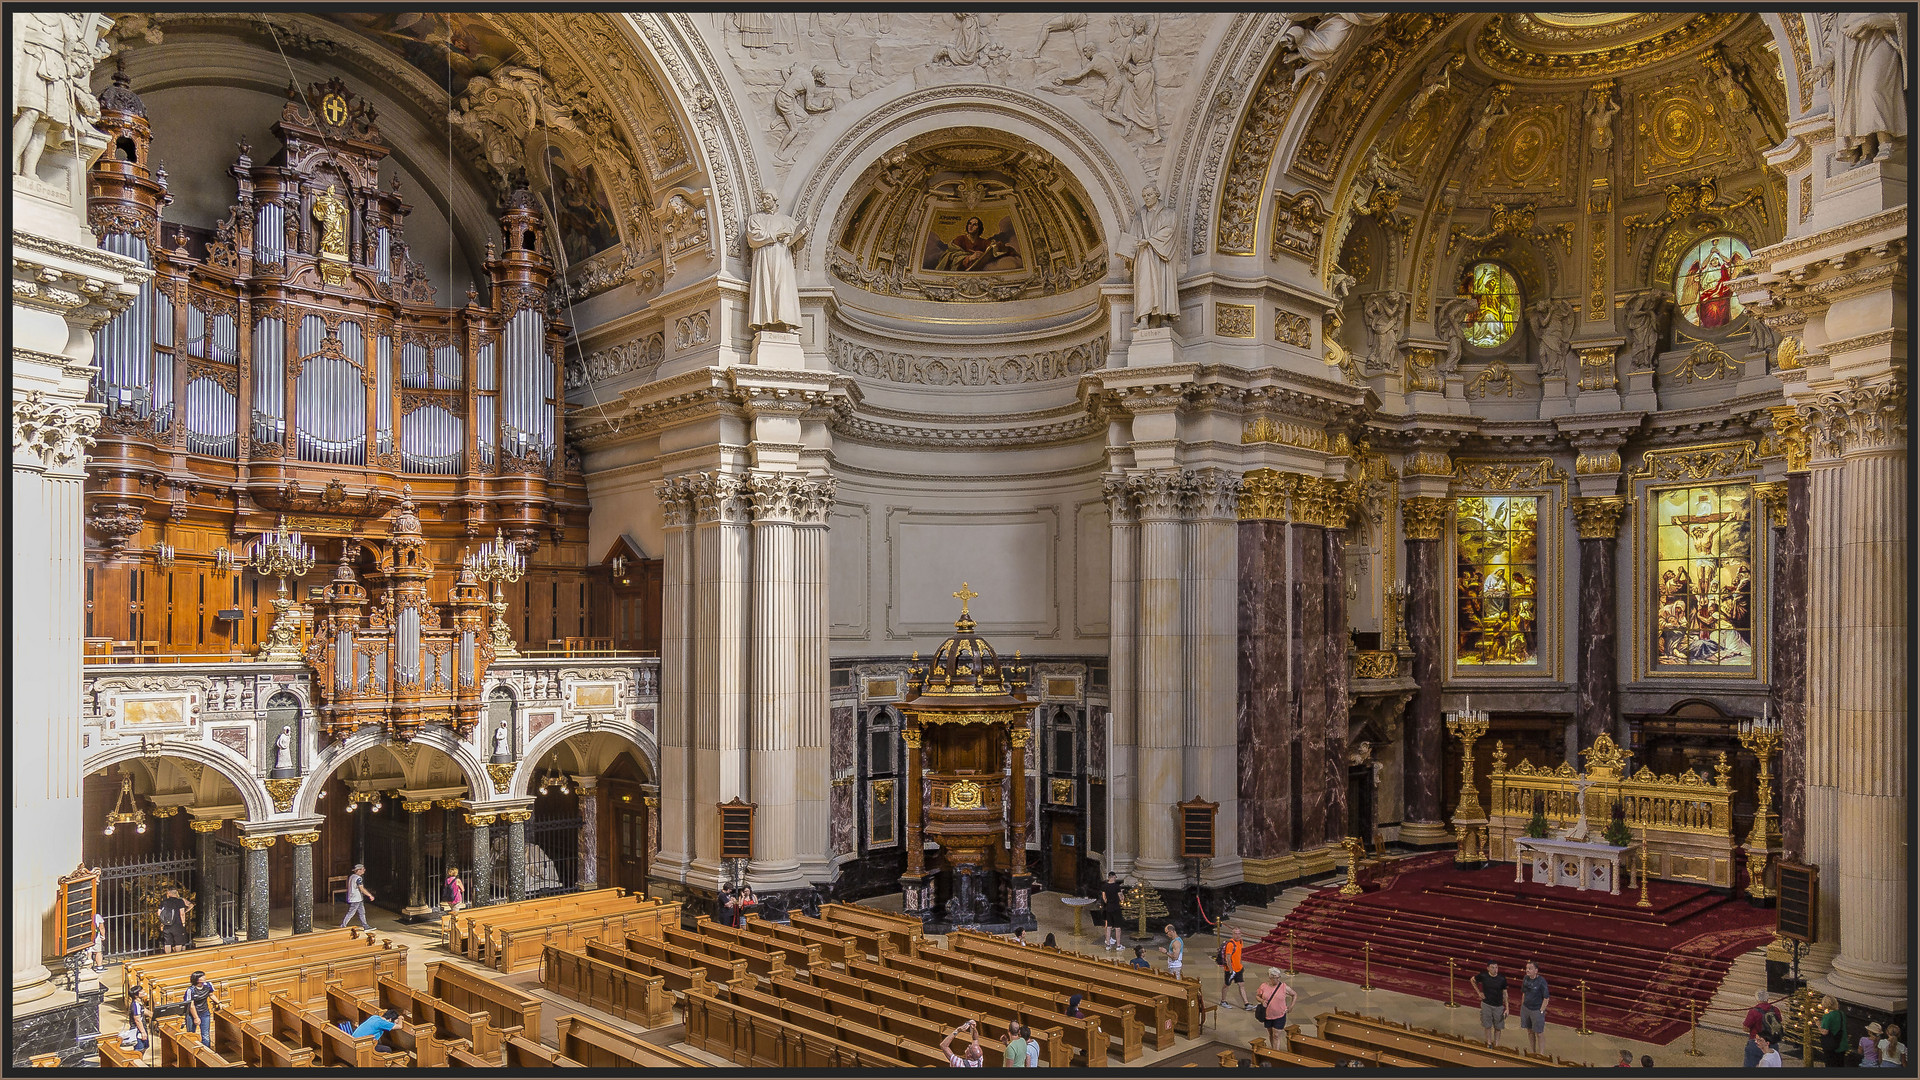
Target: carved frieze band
[874, 362]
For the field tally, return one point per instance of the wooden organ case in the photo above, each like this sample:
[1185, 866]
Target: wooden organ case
[290, 366]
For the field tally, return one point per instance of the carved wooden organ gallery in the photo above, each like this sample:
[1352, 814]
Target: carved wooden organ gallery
[291, 362]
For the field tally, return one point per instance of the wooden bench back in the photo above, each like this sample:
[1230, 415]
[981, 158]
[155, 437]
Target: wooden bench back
[630, 995]
[596, 1045]
[472, 992]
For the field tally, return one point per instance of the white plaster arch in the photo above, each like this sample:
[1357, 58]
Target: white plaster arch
[218, 758]
[479, 784]
[641, 740]
[830, 167]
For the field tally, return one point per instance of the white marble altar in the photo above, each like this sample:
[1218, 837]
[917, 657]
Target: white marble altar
[1568, 863]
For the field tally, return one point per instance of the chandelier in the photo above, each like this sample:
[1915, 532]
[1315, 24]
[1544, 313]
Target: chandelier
[553, 778]
[499, 562]
[355, 798]
[132, 815]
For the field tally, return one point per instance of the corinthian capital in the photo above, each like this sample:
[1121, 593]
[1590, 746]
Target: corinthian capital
[676, 502]
[1119, 495]
[52, 433]
[1597, 517]
[775, 496]
[1159, 495]
[815, 500]
[1212, 493]
[721, 497]
[1423, 516]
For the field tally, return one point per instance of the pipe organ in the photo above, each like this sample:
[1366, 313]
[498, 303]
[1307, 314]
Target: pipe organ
[291, 361]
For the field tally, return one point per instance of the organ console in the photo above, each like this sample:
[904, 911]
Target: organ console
[291, 362]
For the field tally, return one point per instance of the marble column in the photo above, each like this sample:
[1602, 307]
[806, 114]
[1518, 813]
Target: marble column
[480, 873]
[1265, 722]
[254, 885]
[1017, 828]
[1309, 664]
[1787, 663]
[1423, 518]
[774, 704]
[1122, 618]
[812, 773]
[589, 836]
[302, 845]
[1160, 687]
[1871, 967]
[516, 853]
[1597, 519]
[1822, 834]
[207, 932]
[1334, 561]
[419, 903]
[1211, 595]
[721, 665]
[675, 716]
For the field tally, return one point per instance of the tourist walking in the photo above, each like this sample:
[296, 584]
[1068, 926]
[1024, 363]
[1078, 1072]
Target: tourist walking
[1175, 950]
[1275, 999]
[1232, 969]
[456, 890]
[1893, 1052]
[1833, 1034]
[357, 896]
[173, 921]
[200, 1000]
[1110, 909]
[1762, 1019]
[1493, 1001]
[971, 1058]
[97, 952]
[1534, 994]
[136, 1020]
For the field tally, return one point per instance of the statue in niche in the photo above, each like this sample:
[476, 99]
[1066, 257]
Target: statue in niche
[774, 291]
[1552, 323]
[1495, 111]
[1097, 64]
[502, 753]
[1646, 315]
[1449, 323]
[1156, 288]
[53, 62]
[1601, 109]
[802, 95]
[1139, 103]
[1384, 314]
[283, 752]
[1867, 79]
[1317, 47]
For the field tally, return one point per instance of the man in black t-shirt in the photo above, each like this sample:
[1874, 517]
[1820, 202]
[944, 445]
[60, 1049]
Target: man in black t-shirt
[1493, 1001]
[1110, 908]
[173, 922]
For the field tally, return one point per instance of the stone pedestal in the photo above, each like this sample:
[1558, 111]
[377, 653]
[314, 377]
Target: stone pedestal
[1151, 347]
[302, 852]
[773, 348]
[916, 896]
[254, 888]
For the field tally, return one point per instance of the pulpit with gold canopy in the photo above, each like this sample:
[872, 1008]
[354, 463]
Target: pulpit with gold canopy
[967, 726]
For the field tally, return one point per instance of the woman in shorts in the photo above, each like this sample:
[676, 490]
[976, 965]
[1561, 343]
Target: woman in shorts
[1276, 1000]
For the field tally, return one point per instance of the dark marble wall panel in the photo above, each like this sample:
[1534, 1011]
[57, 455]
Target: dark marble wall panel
[841, 831]
[840, 741]
[1096, 742]
[1597, 640]
[1309, 698]
[1334, 565]
[1263, 661]
[1787, 680]
[1424, 731]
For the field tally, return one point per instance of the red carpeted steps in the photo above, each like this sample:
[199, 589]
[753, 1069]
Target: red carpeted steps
[1641, 965]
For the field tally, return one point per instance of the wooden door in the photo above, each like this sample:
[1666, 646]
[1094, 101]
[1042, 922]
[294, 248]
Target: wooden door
[1360, 803]
[630, 846]
[1063, 854]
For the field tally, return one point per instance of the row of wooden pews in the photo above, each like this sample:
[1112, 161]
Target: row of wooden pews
[1186, 998]
[1340, 1038]
[514, 937]
[248, 975]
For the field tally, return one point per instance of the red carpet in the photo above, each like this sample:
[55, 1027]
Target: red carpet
[1641, 965]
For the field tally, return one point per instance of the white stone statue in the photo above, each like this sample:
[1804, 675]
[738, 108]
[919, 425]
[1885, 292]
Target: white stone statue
[501, 752]
[283, 750]
[1449, 323]
[1139, 100]
[774, 290]
[1867, 83]
[1578, 830]
[1339, 284]
[1384, 314]
[1645, 316]
[1552, 323]
[1156, 287]
[54, 54]
[1319, 46]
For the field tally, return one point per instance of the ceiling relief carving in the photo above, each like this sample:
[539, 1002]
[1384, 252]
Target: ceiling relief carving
[967, 215]
[1522, 46]
[1351, 94]
[1676, 135]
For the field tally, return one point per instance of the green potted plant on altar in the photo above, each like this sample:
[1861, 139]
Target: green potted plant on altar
[1618, 834]
[1537, 825]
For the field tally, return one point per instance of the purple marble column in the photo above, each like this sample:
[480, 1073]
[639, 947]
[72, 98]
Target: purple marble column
[1597, 642]
[1334, 548]
[1424, 729]
[1787, 676]
[1265, 734]
[1309, 640]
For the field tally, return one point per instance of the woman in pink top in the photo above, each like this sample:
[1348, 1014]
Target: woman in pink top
[456, 890]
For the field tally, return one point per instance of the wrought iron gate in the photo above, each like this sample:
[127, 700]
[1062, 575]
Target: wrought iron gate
[228, 911]
[130, 893]
[553, 856]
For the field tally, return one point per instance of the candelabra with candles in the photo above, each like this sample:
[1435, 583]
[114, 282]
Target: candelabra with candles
[1761, 737]
[499, 562]
[281, 554]
[163, 556]
[1468, 816]
[1398, 593]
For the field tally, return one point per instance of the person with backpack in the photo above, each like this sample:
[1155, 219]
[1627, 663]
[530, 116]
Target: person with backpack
[1833, 1034]
[1275, 1000]
[201, 999]
[136, 1021]
[173, 913]
[1233, 972]
[456, 890]
[1762, 1020]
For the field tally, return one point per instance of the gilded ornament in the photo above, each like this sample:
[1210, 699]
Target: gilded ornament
[1597, 517]
[1264, 494]
[1773, 495]
[1591, 463]
[516, 817]
[964, 795]
[303, 839]
[478, 821]
[282, 792]
[1597, 368]
[1424, 517]
[1790, 429]
[1298, 221]
[1787, 356]
[1713, 461]
[1290, 328]
[416, 806]
[256, 843]
[1706, 362]
[882, 790]
[911, 736]
[502, 775]
[1233, 320]
[1425, 462]
[1375, 664]
[1060, 792]
[1423, 371]
[1507, 475]
[1265, 429]
[206, 825]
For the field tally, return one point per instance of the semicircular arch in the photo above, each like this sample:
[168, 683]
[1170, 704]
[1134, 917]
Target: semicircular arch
[329, 760]
[228, 764]
[640, 739]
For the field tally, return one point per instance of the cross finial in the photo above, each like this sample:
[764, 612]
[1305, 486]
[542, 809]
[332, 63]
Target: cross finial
[965, 594]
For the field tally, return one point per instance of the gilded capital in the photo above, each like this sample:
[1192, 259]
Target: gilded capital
[256, 843]
[302, 839]
[1263, 495]
[1597, 517]
[1597, 462]
[1773, 495]
[416, 806]
[447, 804]
[206, 825]
[516, 817]
[479, 821]
[911, 736]
[1790, 429]
[1422, 517]
[1427, 463]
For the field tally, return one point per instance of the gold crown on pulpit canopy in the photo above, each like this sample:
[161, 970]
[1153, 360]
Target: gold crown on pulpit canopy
[966, 665]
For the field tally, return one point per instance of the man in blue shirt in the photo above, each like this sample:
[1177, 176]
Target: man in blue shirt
[1533, 1006]
[378, 1026]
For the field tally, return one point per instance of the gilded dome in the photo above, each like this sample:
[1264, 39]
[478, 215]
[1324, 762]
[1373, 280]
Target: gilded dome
[966, 666]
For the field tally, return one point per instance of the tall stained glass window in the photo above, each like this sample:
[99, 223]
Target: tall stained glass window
[1496, 548]
[1704, 281]
[1704, 576]
[1496, 305]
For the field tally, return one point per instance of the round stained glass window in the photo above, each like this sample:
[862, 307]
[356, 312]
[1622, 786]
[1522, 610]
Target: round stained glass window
[1704, 283]
[1496, 305]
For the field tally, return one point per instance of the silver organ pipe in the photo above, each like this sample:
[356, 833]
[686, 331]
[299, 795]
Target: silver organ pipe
[269, 233]
[484, 383]
[211, 414]
[430, 441]
[413, 366]
[466, 658]
[269, 389]
[526, 407]
[383, 392]
[447, 368]
[342, 661]
[124, 347]
[383, 257]
[406, 662]
[313, 331]
[331, 406]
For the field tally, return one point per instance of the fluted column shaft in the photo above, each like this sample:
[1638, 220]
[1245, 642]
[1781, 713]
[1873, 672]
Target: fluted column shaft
[812, 778]
[674, 814]
[1825, 484]
[721, 662]
[1212, 586]
[916, 840]
[1122, 618]
[775, 704]
[1160, 689]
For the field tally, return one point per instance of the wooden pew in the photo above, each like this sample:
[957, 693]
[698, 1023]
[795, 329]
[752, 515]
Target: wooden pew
[870, 941]
[846, 1029]
[471, 992]
[480, 933]
[718, 969]
[1264, 1055]
[944, 1014]
[1188, 997]
[518, 1053]
[906, 931]
[277, 964]
[679, 980]
[759, 960]
[725, 1029]
[1116, 1021]
[1334, 1052]
[181, 1049]
[913, 1018]
[420, 1042]
[1425, 1046]
[595, 1045]
[833, 948]
[1080, 1036]
[296, 1025]
[1152, 1012]
[113, 1055]
[476, 1028]
[797, 956]
[518, 948]
[456, 927]
[612, 988]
